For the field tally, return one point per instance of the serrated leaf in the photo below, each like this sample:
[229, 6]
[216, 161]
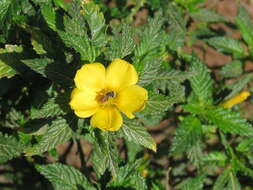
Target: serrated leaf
[96, 22]
[234, 183]
[40, 41]
[122, 43]
[81, 44]
[239, 85]
[6, 70]
[191, 5]
[50, 109]
[10, 60]
[9, 148]
[195, 154]
[232, 69]
[227, 45]
[49, 15]
[64, 177]
[187, 135]
[8, 10]
[218, 158]
[156, 107]
[132, 150]
[105, 154]
[58, 132]
[196, 183]
[245, 25]
[177, 28]
[245, 145]
[158, 103]
[38, 65]
[207, 15]
[201, 82]
[129, 177]
[229, 121]
[151, 37]
[148, 70]
[133, 131]
[59, 73]
[222, 180]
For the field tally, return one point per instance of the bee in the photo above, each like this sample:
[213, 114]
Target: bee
[108, 95]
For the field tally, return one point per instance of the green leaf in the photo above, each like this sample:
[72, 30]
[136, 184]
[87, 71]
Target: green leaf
[49, 15]
[133, 131]
[64, 177]
[229, 121]
[59, 73]
[187, 135]
[58, 132]
[10, 60]
[227, 45]
[177, 28]
[195, 154]
[40, 41]
[148, 70]
[39, 65]
[122, 43]
[13, 119]
[218, 158]
[201, 82]
[191, 5]
[105, 154]
[129, 177]
[155, 108]
[245, 25]
[8, 10]
[234, 183]
[96, 23]
[245, 145]
[222, 180]
[6, 70]
[151, 37]
[9, 148]
[232, 69]
[132, 150]
[158, 103]
[196, 183]
[207, 15]
[51, 108]
[81, 44]
[239, 85]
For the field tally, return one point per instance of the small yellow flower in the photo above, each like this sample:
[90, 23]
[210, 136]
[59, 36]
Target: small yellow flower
[102, 93]
[236, 99]
[144, 173]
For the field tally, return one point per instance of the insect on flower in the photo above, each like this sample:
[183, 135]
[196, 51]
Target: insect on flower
[104, 93]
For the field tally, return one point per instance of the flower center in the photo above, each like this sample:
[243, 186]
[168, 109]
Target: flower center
[105, 97]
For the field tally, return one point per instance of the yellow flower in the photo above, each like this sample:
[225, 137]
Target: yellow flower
[103, 93]
[236, 99]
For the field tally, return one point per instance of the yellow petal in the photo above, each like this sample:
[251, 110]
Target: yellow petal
[236, 99]
[90, 76]
[120, 74]
[107, 118]
[83, 102]
[131, 99]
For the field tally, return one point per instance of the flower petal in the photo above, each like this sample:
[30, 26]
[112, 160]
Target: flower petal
[131, 99]
[90, 76]
[120, 74]
[83, 102]
[107, 118]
